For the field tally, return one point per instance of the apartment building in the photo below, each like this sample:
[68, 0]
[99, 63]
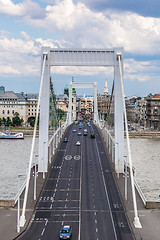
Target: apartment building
[153, 111]
[24, 104]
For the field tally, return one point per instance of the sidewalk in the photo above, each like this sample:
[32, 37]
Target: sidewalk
[149, 218]
[8, 216]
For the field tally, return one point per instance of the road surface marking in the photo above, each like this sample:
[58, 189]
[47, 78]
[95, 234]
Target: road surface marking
[46, 222]
[43, 231]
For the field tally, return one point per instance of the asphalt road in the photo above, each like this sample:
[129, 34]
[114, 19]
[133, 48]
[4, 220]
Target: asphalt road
[80, 191]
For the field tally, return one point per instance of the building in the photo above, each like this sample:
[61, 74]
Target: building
[105, 103]
[85, 107]
[24, 104]
[141, 117]
[62, 102]
[131, 109]
[153, 111]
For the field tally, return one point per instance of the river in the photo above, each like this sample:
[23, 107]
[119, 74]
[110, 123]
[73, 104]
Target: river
[14, 159]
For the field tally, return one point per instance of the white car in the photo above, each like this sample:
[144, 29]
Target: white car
[78, 143]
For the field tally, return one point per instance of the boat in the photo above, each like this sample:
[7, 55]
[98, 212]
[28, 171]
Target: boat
[11, 135]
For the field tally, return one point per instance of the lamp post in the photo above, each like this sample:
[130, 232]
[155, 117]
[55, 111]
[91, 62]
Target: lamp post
[18, 205]
[125, 178]
[35, 177]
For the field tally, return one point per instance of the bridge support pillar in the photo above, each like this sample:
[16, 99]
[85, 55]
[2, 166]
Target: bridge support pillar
[119, 119]
[44, 117]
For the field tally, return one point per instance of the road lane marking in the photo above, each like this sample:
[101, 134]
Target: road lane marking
[110, 211]
[43, 231]
[46, 222]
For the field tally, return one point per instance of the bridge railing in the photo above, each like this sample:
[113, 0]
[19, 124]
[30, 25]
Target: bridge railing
[108, 138]
[52, 145]
[110, 144]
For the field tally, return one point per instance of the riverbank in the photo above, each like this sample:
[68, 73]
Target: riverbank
[132, 134]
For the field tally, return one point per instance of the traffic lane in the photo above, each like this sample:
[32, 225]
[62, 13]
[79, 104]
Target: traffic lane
[119, 216]
[97, 213]
[43, 217]
[70, 193]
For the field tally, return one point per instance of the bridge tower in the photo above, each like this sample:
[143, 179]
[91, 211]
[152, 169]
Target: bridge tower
[85, 85]
[82, 57]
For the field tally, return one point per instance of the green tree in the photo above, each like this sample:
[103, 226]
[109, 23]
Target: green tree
[8, 122]
[60, 114]
[1, 121]
[16, 120]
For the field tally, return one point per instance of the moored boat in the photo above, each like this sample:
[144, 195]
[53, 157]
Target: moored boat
[11, 135]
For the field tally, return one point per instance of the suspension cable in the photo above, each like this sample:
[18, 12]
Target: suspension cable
[136, 218]
[22, 218]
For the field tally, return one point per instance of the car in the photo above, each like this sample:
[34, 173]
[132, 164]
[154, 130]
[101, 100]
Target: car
[92, 135]
[65, 140]
[78, 143]
[79, 133]
[66, 232]
[74, 130]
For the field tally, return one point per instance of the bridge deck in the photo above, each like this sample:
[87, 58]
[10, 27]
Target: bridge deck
[98, 209]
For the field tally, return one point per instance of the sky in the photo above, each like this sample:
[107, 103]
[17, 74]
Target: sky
[27, 25]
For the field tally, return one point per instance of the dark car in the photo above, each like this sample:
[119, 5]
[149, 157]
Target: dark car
[92, 135]
[66, 232]
[65, 140]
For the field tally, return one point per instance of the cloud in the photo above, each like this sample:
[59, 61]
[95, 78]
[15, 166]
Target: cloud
[141, 71]
[82, 27]
[26, 9]
[22, 56]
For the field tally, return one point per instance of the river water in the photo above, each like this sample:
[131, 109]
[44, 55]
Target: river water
[14, 159]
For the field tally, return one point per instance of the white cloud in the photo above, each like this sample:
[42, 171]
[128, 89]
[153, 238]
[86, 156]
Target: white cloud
[141, 71]
[25, 9]
[81, 27]
[22, 56]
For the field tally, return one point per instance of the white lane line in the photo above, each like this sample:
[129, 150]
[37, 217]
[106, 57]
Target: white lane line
[114, 229]
[96, 221]
[96, 230]
[51, 206]
[43, 231]
[80, 194]
[46, 222]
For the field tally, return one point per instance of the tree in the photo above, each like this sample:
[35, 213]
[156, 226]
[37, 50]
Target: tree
[8, 122]
[60, 114]
[16, 120]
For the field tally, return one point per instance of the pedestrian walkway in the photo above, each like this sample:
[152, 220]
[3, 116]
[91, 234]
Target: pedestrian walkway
[149, 218]
[8, 216]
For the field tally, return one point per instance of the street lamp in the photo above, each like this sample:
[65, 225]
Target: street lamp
[18, 205]
[125, 180]
[35, 177]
